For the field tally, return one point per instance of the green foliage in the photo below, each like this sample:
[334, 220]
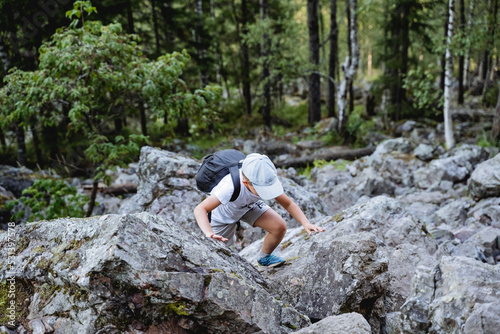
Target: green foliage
[321, 163]
[491, 96]
[91, 75]
[358, 126]
[421, 86]
[50, 199]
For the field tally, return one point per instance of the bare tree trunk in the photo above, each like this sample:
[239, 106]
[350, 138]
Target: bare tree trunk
[332, 61]
[218, 56]
[202, 51]
[448, 126]
[247, 94]
[349, 70]
[314, 79]
[3, 143]
[461, 57]
[21, 145]
[265, 77]
[93, 196]
[155, 26]
[130, 17]
[495, 130]
[488, 60]
[443, 57]
[467, 52]
[144, 124]
[349, 49]
[36, 144]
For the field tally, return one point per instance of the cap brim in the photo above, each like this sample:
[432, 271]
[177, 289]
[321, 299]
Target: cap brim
[269, 192]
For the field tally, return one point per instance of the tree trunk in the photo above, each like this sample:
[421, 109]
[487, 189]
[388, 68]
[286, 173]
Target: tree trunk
[488, 59]
[448, 126]
[467, 52]
[93, 196]
[155, 27]
[21, 145]
[200, 45]
[265, 77]
[495, 130]
[349, 50]
[218, 55]
[461, 58]
[144, 124]
[3, 143]
[405, 45]
[245, 68]
[36, 144]
[332, 61]
[314, 79]
[130, 17]
[349, 70]
[443, 57]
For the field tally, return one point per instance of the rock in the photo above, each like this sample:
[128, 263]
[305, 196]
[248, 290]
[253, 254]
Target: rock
[327, 125]
[401, 145]
[450, 297]
[485, 179]
[483, 246]
[347, 323]
[460, 163]
[453, 213]
[355, 253]
[426, 152]
[483, 319]
[166, 187]
[119, 272]
[486, 212]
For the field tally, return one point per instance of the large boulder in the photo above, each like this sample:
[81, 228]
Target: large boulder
[485, 179]
[347, 323]
[354, 263]
[134, 274]
[459, 295]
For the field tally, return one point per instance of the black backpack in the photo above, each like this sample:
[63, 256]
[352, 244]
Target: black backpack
[216, 166]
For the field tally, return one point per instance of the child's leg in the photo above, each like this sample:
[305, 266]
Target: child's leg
[275, 225]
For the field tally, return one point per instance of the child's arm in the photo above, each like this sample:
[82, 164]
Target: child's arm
[201, 214]
[292, 208]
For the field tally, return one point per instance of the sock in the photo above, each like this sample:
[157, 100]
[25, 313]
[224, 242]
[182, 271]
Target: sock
[262, 254]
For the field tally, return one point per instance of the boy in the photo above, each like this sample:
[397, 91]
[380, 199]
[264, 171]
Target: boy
[217, 216]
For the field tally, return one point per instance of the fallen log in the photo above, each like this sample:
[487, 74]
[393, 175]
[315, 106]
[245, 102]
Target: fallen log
[114, 190]
[333, 153]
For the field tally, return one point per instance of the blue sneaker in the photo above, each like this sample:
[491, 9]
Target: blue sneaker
[271, 261]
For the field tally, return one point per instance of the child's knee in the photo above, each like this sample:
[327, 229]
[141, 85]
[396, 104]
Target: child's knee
[281, 226]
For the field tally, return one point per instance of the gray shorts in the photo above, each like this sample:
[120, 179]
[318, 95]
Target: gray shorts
[250, 217]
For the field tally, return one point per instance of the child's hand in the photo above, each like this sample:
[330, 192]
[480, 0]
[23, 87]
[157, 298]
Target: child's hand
[217, 237]
[313, 228]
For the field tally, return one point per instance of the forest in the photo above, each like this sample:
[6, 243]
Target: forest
[86, 84]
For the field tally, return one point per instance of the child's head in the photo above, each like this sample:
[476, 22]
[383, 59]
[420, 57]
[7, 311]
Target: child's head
[260, 171]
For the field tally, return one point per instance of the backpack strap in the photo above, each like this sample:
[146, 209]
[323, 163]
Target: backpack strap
[235, 176]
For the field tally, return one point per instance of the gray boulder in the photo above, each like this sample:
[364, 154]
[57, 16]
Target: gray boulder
[347, 323]
[485, 179]
[457, 296]
[353, 264]
[136, 274]
[486, 212]
[166, 187]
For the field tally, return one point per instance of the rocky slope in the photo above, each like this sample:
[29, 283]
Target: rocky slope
[411, 246]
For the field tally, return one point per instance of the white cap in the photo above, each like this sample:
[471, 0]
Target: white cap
[259, 169]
